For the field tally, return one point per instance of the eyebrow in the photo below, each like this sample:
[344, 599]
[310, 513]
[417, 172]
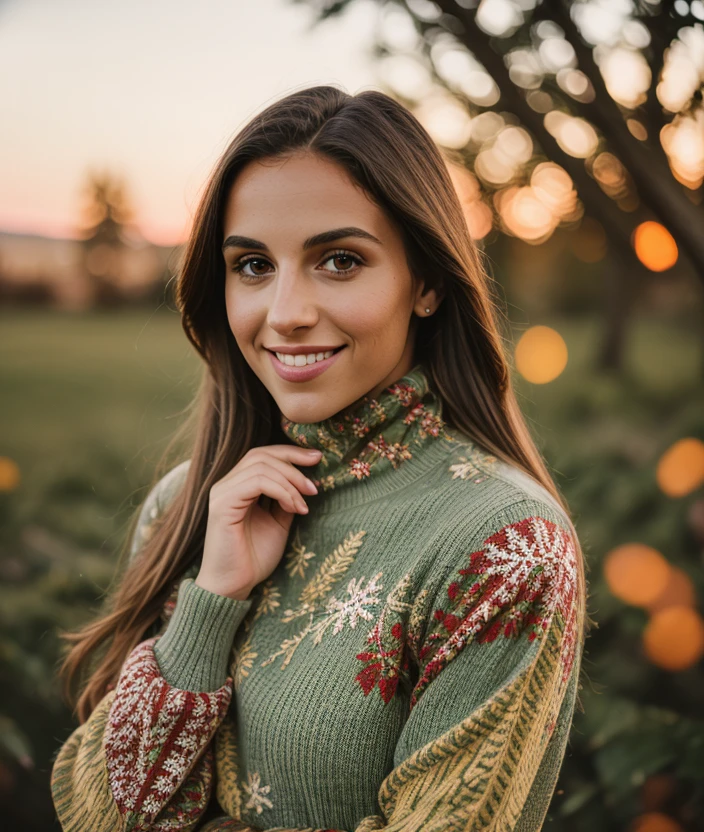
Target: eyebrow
[236, 241]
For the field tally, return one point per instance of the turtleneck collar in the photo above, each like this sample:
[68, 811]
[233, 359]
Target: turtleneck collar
[372, 435]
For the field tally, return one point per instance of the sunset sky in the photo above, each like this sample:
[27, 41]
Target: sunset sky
[152, 90]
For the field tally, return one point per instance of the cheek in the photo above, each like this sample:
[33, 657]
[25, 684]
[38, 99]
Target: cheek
[381, 312]
[240, 317]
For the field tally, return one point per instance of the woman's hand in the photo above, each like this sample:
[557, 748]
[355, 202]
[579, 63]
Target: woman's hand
[244, 541]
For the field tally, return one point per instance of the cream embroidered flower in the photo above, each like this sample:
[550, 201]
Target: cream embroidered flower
[256, 791]
[353, 606]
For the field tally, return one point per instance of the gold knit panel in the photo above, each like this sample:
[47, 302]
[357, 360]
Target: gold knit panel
[80, 769]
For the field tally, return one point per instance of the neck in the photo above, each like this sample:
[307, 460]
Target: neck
[375, 444]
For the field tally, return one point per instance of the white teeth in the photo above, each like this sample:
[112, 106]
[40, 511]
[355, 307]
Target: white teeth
[301, 360]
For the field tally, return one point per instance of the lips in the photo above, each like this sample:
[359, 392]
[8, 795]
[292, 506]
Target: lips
[307, 371]
[335, 349]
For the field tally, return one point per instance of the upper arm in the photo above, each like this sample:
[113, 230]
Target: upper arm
[511, 597]
[156, 501]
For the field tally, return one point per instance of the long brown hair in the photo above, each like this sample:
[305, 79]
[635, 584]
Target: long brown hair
[386, 151]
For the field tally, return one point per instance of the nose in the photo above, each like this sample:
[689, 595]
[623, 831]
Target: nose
[292, 303]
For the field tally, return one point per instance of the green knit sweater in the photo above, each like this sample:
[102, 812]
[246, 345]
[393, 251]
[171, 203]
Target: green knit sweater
[411, 664]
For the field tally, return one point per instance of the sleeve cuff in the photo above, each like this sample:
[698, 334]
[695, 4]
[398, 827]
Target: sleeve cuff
[193, 653]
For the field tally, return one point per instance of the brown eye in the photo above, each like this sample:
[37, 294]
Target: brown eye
[343, 262]
[253, 267]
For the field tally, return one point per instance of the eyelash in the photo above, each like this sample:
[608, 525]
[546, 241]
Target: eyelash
[237, 267]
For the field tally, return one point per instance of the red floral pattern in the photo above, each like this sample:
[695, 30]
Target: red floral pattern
[384, 667]
[155, 735]
[384, 430]
[520, 578]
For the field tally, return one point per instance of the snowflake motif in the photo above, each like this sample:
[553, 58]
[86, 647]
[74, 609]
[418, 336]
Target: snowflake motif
[154, 735]
[353, 607]
[516, 582]
[257, 792]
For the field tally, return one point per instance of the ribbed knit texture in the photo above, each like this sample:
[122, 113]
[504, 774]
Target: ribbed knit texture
[193, 652]
[412, 662]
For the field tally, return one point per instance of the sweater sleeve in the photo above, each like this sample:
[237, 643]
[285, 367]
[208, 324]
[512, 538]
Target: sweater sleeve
[498, 665]
[144, 760]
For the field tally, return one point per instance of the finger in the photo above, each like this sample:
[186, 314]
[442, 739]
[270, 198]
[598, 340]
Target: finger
[287, 453]
[283, 476]
[265, 479]
[303, 483]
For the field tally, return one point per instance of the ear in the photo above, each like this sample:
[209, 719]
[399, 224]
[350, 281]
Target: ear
[427, 299]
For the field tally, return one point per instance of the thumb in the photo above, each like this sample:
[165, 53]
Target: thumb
[283, 518]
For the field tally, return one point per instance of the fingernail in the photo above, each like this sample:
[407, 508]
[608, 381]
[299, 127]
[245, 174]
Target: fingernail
[311, 483]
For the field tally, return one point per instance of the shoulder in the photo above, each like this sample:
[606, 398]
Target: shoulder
[158, 498]
[509, 565]
[502, 529]
[487, 493]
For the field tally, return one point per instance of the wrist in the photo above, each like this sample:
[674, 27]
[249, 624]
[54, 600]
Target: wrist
[239, 594]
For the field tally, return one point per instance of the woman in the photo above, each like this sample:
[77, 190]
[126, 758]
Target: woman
[359, 603]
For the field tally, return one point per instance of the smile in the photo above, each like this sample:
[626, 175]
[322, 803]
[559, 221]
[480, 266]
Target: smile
[303, 367]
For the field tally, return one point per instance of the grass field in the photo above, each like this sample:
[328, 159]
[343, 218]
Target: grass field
[98, 395]
[80, 388]
[89, 402]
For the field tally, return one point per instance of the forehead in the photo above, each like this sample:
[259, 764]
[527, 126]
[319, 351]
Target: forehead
[302, 190]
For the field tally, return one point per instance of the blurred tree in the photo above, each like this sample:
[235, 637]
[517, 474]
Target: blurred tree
[107, 216]
[586, 115]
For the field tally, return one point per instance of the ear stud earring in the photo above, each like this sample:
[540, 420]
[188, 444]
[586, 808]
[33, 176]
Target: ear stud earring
[427, 310]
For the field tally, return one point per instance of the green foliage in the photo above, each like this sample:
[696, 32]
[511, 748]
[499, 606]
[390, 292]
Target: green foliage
[83, 477]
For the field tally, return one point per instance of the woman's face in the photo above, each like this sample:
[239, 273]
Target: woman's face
[313, 265]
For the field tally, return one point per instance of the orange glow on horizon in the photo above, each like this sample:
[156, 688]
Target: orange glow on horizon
[157, 235]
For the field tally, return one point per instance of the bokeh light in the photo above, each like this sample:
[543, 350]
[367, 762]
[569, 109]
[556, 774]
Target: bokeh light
[655, 246]
[574, 135]
[636, 573]
[683, 142]
[9, 474]
[478, 214]
[541, 354]
[680, 469]
[654, 822]
[678, 592]
[673, 639]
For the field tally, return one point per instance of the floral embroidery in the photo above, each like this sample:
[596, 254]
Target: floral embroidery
[473, 466]
[337, 612]
[328, 573]
[386, 663]
[154, 735]
[351, 608]
[521, 577]
[257, 792]
[370, 434]
[243, 661]
[269, 599]
[298, 556]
